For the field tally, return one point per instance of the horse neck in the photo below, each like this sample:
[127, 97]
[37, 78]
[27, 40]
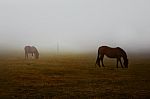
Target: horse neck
[36, 52]
[124, 55]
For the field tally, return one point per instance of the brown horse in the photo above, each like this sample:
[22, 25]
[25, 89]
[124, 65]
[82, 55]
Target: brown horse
[31, 50]
[112, 53]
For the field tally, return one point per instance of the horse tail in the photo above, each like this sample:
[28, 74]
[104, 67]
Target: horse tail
[25, 50]
[97, 60]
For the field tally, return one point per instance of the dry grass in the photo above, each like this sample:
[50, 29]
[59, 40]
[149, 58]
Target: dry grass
[73, 76]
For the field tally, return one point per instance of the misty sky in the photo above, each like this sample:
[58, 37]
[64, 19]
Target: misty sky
[76, 25]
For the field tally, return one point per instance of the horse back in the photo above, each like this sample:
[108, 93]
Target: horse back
[29, 49]
[110, 52]
[26, 48]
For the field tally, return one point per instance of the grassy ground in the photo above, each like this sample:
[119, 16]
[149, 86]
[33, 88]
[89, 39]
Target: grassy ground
[73, 76]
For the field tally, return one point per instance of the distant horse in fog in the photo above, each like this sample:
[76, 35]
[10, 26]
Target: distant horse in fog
[112, 53]
[31, 50]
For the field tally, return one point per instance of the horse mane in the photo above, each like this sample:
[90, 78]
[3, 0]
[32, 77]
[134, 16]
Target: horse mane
[36, 51]
[123, 52]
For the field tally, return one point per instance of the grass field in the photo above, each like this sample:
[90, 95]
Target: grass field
[73, 77]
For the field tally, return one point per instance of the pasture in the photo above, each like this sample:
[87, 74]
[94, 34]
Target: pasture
[73, 77]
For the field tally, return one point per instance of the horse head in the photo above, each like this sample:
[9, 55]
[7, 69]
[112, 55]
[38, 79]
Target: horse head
[126, 63]
[36, 55]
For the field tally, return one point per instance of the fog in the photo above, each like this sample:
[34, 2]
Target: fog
[75, 25]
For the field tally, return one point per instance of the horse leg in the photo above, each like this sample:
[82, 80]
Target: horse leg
[117, 62]
[101, 58]
[120, 63]
[97, 62]
[27, 55]
[34, 55]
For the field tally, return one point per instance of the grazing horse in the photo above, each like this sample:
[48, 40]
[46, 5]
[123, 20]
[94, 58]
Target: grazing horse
[31, 50]
[112, 53]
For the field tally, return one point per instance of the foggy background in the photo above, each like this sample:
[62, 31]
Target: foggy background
[74, 25]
